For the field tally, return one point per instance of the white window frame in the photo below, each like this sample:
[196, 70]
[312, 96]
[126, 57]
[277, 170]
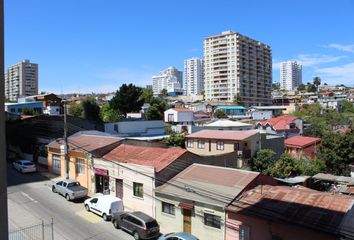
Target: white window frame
[220, 145]
[80, 165]
[190, 143]
[201, 144]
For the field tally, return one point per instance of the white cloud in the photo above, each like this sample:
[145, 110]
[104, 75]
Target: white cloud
[341, 47]
[343, 74]
[310, 60]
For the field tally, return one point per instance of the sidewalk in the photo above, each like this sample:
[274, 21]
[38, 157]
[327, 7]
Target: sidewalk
[43, 170]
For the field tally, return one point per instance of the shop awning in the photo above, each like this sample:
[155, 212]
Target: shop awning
[185, 206]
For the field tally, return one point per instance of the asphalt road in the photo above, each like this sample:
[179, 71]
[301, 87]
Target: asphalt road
[31, 201]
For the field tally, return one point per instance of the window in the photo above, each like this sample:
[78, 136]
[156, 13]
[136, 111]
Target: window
[189, 143]
[80, 165]
[170, 118]
[138, 189]
[168, 208]
[219, 145]
[115, 127]
[212, 220]
[56, 161]
[94, 200]
[244, 232]
[201, 144]
[60, 183]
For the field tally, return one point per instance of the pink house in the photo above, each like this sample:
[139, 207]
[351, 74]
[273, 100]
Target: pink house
[285, 213]
[299, 146]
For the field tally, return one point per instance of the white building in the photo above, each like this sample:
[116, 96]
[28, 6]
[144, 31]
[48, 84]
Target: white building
[165, 78]
[193, 76]
[21, 80]
[290, 75]
[237, 68]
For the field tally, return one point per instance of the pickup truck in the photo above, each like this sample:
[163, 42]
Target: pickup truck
[70, 189]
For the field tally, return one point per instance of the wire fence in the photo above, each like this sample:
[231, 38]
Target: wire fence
[41, 231]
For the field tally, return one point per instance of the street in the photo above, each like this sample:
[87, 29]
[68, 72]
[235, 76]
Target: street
[30, 200]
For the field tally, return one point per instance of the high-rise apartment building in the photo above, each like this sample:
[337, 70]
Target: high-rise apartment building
[21, 80]
[237, 69]
[169, 79]
[193, 76]
[290, 75]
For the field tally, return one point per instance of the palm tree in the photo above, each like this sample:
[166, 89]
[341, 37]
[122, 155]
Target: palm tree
[317, 82]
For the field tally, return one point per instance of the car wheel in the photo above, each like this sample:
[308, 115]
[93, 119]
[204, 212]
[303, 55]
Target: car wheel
[87, 207]
[67, 197]
[136, 236]
[115, 224]
[105, 217]
[54, 190]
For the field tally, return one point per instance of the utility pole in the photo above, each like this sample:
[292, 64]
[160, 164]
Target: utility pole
[66, 145]
[3, 166]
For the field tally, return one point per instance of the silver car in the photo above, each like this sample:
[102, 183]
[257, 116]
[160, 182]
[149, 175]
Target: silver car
[70, 189]
[24, 166]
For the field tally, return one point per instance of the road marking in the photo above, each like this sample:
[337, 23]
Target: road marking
[89, 216]
[27, 196]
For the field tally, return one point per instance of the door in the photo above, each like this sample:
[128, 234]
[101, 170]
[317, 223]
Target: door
[187, 221]
[119, 188]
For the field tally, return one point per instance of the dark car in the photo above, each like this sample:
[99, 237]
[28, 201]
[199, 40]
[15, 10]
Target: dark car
[140, 225]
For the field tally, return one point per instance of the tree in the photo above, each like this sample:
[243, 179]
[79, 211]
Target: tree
[220, 114]
[91, 110]
[302, 87]
[285, 167]
[164, 92]
[317, 82]
[156, 109]
[146, 95]
[310, 167]
[263, 160]
[311, 88]
[175, 139]
[275, 86]
[108, 114]
[75, 109]
[127, 99]
[347, 106]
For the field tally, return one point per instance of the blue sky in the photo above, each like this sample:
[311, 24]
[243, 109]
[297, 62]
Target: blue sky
[95, 46]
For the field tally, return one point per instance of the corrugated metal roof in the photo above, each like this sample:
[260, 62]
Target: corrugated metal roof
[208, 184]
[301, 141]
[309, 208]
[227, 123]
[231, 135]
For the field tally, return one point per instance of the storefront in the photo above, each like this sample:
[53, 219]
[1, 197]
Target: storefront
[101, 180]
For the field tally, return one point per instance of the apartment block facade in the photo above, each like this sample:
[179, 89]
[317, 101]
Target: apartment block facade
[169, 79]
[21, 80]
[193, 76]
[237, 69]
[290, 75]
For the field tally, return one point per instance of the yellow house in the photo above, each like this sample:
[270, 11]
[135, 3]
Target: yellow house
[83, 146]
[220, 142]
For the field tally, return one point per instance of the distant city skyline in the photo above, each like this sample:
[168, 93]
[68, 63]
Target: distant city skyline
[129, 42]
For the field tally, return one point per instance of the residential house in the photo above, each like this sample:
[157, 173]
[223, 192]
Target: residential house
[265, 112]
[288, 213]
[194, 201]
[285, 125]
[232, 111]
[136, 128]
[221, 142]
[299, 146]
[181, 119]
[133, 172]
[82, 147]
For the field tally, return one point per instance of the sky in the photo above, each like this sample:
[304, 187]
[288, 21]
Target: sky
[86, 46]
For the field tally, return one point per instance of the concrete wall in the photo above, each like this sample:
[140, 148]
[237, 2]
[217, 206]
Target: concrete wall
[174, 223]
[275, 143]
[263, 229]
[260, 115]
[131, 173]
[181, 117]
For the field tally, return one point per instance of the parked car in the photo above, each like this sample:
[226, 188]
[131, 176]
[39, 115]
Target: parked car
[104, 205]
[178, 236]
[24, 166]
[70, 189]
[140, 225]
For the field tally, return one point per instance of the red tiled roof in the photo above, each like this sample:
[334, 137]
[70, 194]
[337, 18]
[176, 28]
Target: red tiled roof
[309, 208]
[230, 135]
[147, 156]
[301, 141]
[279, 123]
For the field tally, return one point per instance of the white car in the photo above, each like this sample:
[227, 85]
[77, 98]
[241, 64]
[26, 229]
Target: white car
[24, 166]
[104, 205]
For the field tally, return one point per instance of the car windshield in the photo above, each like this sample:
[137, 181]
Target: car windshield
[151, 224]
[73, 184]
[27, 163]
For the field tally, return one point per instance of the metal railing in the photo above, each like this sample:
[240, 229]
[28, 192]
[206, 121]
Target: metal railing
[41, 231]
